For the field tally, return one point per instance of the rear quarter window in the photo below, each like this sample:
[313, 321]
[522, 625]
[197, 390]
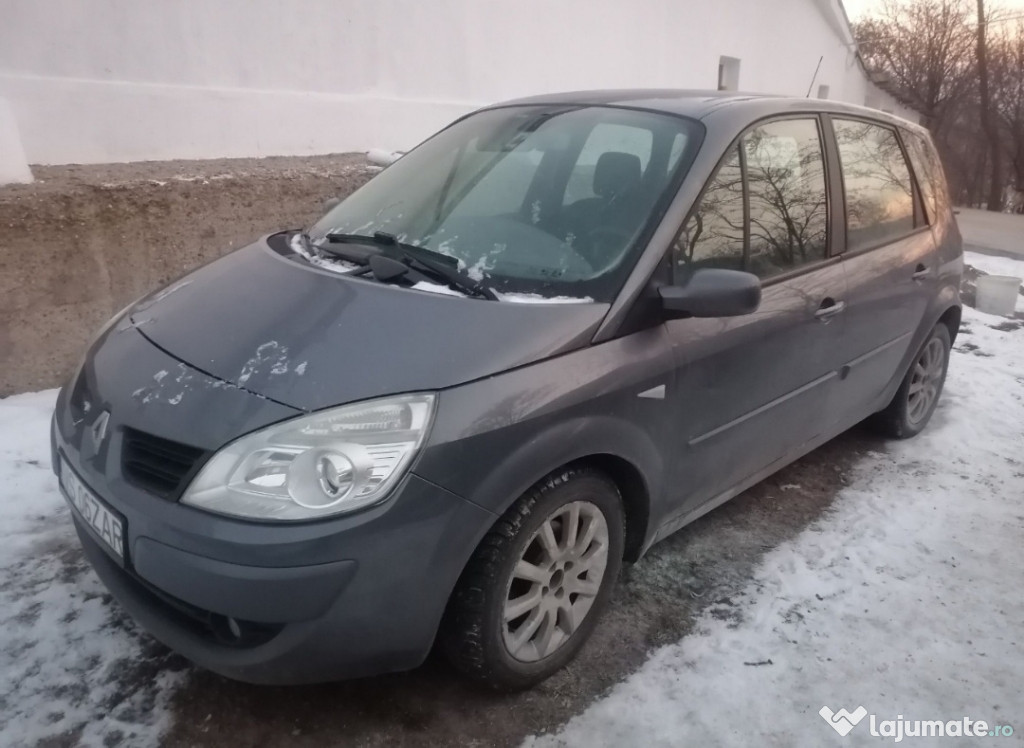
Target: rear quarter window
[928, 170]
[877, 182]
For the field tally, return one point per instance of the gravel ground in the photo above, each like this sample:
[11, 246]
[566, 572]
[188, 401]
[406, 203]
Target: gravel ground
[59, 179]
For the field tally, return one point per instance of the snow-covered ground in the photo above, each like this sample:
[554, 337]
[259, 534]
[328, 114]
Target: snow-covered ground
[73, 668]
[905, 598]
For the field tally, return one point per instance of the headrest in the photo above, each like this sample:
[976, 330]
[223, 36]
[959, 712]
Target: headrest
[616, 173]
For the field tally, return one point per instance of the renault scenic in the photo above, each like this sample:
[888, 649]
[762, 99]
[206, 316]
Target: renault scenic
[549, 336]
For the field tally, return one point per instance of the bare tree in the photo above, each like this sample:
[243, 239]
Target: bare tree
[1006, 54]
[925, 49]
[957, 70]
[988, 122]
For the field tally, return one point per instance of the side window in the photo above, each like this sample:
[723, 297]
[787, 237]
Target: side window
[714, 234]
[788, 205]
[928, 170]
[606, 137]
[786, 223]
[879, 192]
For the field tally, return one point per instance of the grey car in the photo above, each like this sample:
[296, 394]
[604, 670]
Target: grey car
[549, 336]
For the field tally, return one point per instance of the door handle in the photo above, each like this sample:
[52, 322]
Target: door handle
[920, 273]
[829, 309]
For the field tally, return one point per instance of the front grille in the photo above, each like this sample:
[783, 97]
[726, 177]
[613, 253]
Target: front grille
[160, 466]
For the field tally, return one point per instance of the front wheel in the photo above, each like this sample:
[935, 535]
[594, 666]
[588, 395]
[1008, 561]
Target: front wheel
[530, 596]
[914, 402]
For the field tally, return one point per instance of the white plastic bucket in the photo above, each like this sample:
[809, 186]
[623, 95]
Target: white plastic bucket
[997, 294]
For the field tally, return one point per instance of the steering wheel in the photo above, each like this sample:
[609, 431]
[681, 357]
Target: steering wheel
[602, 245]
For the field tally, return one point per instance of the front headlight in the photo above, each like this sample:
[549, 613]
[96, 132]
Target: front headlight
[330, 462]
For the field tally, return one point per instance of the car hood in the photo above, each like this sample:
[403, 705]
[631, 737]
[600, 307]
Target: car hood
[310, 339]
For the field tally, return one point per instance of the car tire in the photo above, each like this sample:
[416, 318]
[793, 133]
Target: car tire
[914, 402]
[561, 588]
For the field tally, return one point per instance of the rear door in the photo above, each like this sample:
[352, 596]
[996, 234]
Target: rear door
[888, 259]
[752, 390]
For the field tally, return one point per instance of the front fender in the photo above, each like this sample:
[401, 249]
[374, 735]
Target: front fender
[493, 439]
[539, 450]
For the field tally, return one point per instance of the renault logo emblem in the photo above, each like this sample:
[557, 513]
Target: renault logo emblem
[99, 430]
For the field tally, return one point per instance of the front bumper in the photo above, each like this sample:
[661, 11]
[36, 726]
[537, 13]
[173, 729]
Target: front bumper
[261, 602]
[377, 610]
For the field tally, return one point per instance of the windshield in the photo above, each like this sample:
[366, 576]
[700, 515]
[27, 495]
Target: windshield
[533, 201]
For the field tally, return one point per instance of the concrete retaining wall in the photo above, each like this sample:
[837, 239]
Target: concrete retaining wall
[82, 242]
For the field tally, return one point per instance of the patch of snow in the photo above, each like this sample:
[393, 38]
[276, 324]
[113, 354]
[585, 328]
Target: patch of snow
[533, 298]
[76, 670]
[436, 288]
[271, 356]
[200, 178]
[333, 264]
[301, 368]
[159, 391]
[904, 598]
[479, 269]
[382, 157]
[445, 247]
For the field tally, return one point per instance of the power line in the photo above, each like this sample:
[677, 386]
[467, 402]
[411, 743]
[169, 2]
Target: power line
[1019, 17]
[972, 26]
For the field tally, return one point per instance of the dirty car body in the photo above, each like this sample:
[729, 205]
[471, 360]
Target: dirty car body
[626, 301]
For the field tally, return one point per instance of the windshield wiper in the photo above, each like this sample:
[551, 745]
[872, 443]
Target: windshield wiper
[437, 264]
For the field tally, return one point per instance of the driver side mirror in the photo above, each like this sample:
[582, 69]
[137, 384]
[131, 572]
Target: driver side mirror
[712, 292]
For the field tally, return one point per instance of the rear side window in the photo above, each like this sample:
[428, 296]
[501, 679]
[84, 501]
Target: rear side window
[765, 211]
[928, 170]
[876, 178]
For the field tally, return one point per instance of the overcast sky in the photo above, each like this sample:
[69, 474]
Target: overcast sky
[857, 9]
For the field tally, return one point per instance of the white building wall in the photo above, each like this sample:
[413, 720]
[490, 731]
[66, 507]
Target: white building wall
[94, 81]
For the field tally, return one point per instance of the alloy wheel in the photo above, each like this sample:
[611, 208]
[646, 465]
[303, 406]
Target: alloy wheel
[926, 381]
[555, 581]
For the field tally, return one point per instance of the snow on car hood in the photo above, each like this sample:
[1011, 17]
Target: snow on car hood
[312, 339]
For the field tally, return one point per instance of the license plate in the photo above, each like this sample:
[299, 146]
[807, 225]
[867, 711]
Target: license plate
[107, 525]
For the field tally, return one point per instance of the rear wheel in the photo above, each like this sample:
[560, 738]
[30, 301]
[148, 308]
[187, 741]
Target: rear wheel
[912, 406]
[532, 592]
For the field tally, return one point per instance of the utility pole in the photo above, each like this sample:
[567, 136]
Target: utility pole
[995, 192]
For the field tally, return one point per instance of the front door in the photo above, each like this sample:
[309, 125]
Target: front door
[750, 391]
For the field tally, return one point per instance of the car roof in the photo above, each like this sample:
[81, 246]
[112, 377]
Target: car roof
[700, 104]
